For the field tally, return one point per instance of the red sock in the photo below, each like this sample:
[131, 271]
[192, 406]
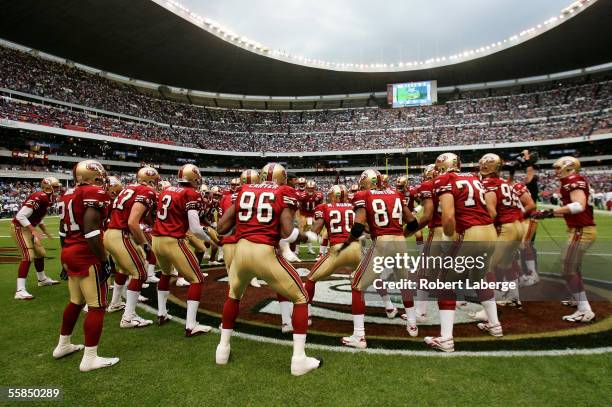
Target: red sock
[94, 321]
[447, 300]
[511, 273]
[358, 303]
[135, 285]
[310, 289]
[407, 298]
[499, 274]
[230, 313]
[120, 278]
[325, 242]
[574, 283]
[24, 267]
[69, 320]
[419, 240]
[194, 293]
[164, 283]
[299, 319]
[151, 259]
[39, 265]
[382, 291]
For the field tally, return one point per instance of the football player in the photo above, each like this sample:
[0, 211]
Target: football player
[178, 212]
[352, 191]
[527, 253]
[127, 243]
[385, 212]
[308, 201]
[23, 231]
[464, 218]
[84, 258]
[577, 209]
[262, 215]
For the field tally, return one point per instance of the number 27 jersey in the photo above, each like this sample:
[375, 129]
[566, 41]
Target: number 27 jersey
[258, 211]
[384, 209]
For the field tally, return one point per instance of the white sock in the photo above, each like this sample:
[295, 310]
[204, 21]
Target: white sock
[411, 314]
[583, 302]
[447, 320]
[420, 302]
[226, 335]
[192, 311]
[41, 275]
[285, 308]
[162, 299]
[309, 310]
[323, 250]
[309, 246]
[64, 340]
[90, 352]
[490, 308]
[130, 303]
[151, 270]
[299, 343]
[21, 284]
[358, 326]
[531, 266]
[116, 299]
[513, 292]
[387, 300]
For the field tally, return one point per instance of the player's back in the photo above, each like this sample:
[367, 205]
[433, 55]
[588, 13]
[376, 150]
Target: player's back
[172, 207]
[569, 184]
[339, 218]
[38, 202]
[258, 211]
[122, 205]
[508, 203]
[74, 206]
[384, 209]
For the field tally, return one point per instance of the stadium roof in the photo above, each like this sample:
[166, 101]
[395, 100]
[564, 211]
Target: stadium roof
[140, 39]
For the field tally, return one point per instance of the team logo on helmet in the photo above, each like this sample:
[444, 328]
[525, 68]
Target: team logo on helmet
[489, 164]
[566, 166]
[249, 177]
[273, 172]
[149, 176]
[50, 185]
[448, 162]
[90, 172]
[430, 172]
[190, 174]
[115, 186]
[370, 179]
[337, 193]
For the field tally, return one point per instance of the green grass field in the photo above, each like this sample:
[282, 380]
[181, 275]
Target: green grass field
[160, 366]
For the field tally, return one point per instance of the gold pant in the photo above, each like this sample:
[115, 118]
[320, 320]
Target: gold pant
[508, 241]
[25, 243]
[333, 261]
[87, 289]
[476, 241]
[578, 242]
[265, 262]
[172, 252]
[228, 254]
[383, 246]
[128, 256]
[197, 244]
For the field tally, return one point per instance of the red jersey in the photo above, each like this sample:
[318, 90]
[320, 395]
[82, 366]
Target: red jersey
[338, 218]
[207, 214]
[172, 207]
[384, 210]
[122, 205]
[411, 195]
[569, 184]
[38, 202]
[308, 203]
[519, 190]
[226, 202]
[468, 193]
[425, 191]
[508, 203]
[258, 210]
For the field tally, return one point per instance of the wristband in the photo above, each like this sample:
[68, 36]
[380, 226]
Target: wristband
[357, 230]
[295, 233]
[575, 207]
[412, 226]
[91, 234]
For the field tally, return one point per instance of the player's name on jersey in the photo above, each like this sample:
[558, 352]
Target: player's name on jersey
[264, 186]
[426, 284]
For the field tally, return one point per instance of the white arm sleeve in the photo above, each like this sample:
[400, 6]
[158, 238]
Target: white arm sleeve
[195, 227]
[23, 215]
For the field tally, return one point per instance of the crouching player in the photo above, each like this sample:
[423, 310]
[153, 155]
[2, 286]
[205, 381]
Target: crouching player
[262, 215]
[84, 259]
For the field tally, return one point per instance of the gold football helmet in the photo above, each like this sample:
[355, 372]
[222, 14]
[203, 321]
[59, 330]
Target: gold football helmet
[310, 187]
[190, 174]
[566, 166]
[448, 162]
[301, 183]
[273, 172]
[249, 177]
[115, 186]
[50, 185]
[164, 185]
[337, 194]
[430, 172]
[370, 179]
[148, 176]
[354, 189]
[384, 180]
[489, 164]
[216, 192]
[234, 184]
[204, 189]
[90, 172]
[401, 183]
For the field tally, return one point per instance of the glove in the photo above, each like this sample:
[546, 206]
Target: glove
[548, 213]
[64, 274]
[105, 272]
[147, 248]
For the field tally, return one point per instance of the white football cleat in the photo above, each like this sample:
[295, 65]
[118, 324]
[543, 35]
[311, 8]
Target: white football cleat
[529, 280]
[222, 354]
[181, 282]
[152, 279]
[440, 343]
[162, 319]
[570, 303]
[479, 316]
[493, 330]
[422, 319]
[255, 283]
[197, 330]
[355, 342]
[23, 295]
[66, 349]
[580, 316]
[510, 302]
[142, 298]
[391, 313]
[304, 364]
[134, 321]
[120, 306]
[47, 281]
[214, 263]
[311, 250]
[290, 256]
[461, 304]
[412, 329]
[91, 360]
[286, 328]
